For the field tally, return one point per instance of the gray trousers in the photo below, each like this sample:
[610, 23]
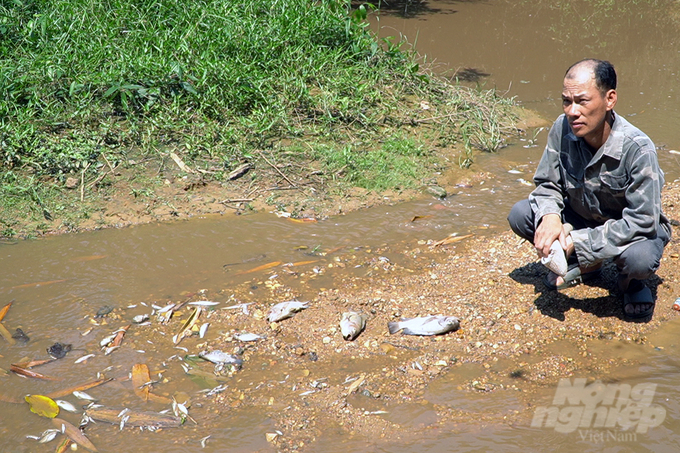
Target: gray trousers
[637, 262]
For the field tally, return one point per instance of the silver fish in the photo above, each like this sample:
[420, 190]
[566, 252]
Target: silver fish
[285, 310]
[352, 324]
[221, 358]
[426, 325]
[245, 336]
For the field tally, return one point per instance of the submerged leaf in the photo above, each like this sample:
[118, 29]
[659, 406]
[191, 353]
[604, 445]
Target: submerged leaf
[6, 335]
[42, 405]
[140, 380]
[74, 434]
[260, 268]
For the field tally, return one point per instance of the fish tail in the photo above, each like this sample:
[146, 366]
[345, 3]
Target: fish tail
[393, 327]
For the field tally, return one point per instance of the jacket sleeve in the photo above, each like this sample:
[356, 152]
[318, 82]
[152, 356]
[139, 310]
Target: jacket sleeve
[640, 218]
[548, 196]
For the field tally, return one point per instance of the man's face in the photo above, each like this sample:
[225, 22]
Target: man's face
[586, 107]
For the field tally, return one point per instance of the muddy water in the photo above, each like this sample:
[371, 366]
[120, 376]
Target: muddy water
[522, 48]
[58, 284]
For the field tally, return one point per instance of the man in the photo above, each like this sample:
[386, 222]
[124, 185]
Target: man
[600, 175]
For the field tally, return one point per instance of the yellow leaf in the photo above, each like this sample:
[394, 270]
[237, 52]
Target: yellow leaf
[42, 405]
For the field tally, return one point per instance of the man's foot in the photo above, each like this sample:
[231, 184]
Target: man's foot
[575, 276]
[638, 302]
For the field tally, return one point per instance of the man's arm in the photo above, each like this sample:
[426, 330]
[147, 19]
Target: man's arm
[640, 219]
[547, 200]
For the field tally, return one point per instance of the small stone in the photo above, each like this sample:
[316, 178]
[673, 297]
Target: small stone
[71, 183]
[326, 340]
[437, 191]
[518, 327]
[271, 437]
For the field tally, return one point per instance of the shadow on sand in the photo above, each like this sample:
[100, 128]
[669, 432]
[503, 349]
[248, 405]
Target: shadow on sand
[555, 303]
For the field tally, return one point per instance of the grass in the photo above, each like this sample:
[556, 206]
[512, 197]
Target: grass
[86, 86]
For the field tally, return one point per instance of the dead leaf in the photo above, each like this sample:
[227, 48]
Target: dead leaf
[4, 310]
[418, 217]
[42, 405]
[28, 373]
[78, 388]
[74, 433]
[6, 334]
[188, 324]
[302, 263]
[303, 220]
[31, 285]
[140, 380]
[33, 363]
[355, 385]
[260, 268]
[180, 163]
[119, 336]
[63, 445]
[81, 259]
[451, 240]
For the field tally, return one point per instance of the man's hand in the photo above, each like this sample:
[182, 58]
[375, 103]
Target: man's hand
[548, 230]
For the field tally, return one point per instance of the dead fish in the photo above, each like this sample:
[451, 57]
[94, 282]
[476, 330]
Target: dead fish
[83, 396]
[58, 350]
[66, 405]
[20, 336]
[140, 318]
[285, 310]
[221, 358]
[245, 336]
[352, 324]
[426, 325]
[204, 303]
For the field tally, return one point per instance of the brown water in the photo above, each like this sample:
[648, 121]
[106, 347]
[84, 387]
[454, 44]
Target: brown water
[524, 48]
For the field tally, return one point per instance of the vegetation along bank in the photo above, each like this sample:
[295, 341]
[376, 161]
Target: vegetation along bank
[124, 112]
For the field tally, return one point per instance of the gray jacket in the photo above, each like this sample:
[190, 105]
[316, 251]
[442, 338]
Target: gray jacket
[617, 191]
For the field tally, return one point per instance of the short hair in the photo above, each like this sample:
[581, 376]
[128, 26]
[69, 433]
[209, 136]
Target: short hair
[603, 71]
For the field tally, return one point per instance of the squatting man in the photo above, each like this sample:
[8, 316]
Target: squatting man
[598, 193]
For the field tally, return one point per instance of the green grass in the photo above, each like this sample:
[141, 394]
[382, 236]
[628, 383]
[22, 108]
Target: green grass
[88, 84]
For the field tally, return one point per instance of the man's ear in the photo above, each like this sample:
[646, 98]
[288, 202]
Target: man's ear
[610, 98]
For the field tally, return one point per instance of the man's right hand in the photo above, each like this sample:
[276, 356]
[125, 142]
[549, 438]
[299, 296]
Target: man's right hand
[548, 230]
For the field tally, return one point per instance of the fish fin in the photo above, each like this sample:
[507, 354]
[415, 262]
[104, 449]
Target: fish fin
[393, 327]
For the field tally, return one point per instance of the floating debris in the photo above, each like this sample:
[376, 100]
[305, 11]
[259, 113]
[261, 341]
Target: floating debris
[20, 336]
[134, 418]
[59, 350]
[74, 434]
[285, 310]
[103, 312]
[113, 341]
[187, 326]
[427, 325]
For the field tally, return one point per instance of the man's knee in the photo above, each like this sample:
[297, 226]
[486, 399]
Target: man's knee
[641, 259]
[521, 220]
